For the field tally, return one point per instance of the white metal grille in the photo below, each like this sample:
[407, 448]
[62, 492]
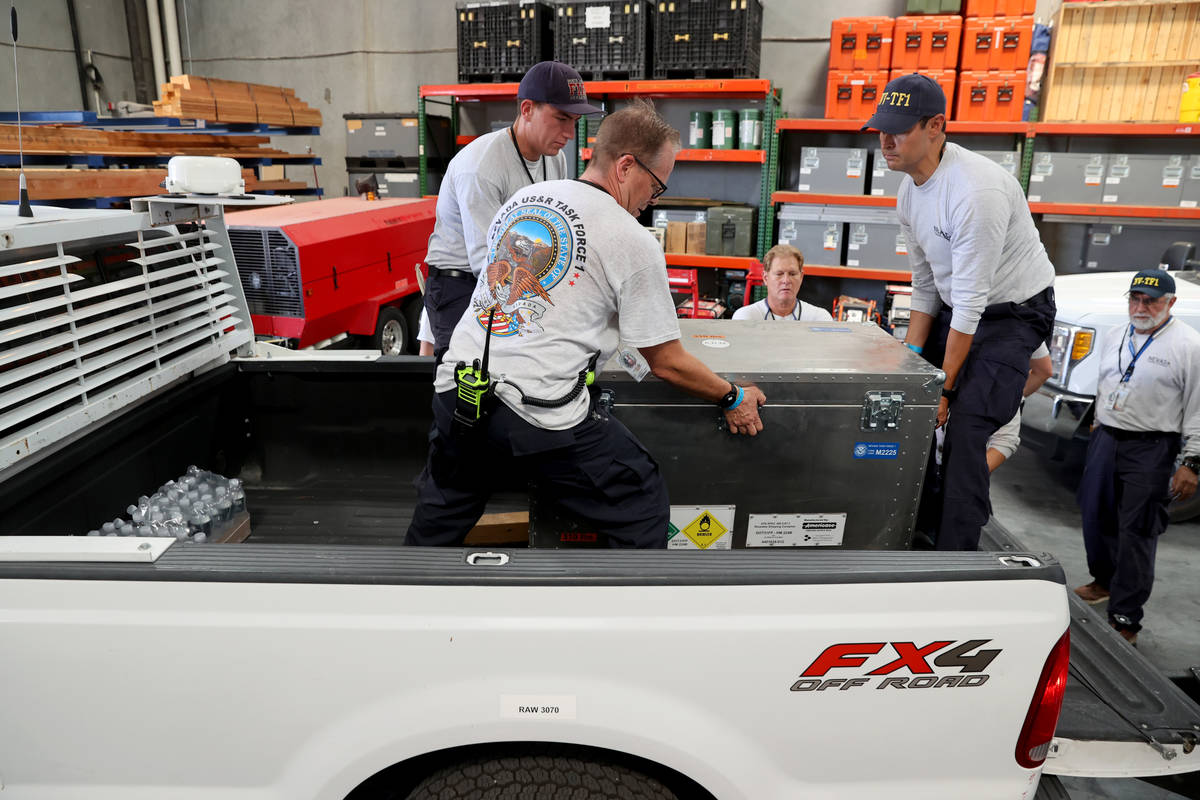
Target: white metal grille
[77, 344]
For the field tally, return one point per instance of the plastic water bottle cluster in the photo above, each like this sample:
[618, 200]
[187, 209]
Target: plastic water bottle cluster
[198, 506]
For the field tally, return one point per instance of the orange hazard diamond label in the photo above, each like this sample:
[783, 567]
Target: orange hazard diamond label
[704, 530]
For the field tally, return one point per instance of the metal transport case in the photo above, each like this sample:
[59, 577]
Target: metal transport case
[1067, 177]
[848, 424]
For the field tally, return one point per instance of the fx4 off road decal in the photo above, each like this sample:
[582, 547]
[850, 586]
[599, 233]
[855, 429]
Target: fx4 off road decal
[941, 664]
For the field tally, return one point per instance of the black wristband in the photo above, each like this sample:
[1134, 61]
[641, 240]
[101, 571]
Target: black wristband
[1192, 463]
[949, 394]
[729, 399]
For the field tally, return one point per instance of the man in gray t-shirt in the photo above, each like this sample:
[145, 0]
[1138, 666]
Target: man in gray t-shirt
[484, 174]
[570, 273]
[983, 296]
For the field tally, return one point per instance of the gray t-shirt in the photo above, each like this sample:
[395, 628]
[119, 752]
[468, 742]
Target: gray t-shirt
[1163, 394]
[803, 312]
[478, 180]
[571, 273]
[971, 238]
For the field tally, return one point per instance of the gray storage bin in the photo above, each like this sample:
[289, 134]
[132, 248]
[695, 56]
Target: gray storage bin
[1191, 184]
[833, 170]
[874, 240]
[1067, 177]
[1143, 180]
[817, 238]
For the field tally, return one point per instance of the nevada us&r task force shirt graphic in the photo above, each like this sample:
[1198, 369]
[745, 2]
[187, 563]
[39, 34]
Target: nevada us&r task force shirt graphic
[570, 273]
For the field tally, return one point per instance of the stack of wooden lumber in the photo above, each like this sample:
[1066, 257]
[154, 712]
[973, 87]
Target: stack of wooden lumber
[74, 141]
[1121, 60]
[216, 100]
[73, 184]
[112, 151]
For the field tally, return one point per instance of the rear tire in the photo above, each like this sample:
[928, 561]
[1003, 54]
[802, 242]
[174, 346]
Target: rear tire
[538, 776]
[392, 333]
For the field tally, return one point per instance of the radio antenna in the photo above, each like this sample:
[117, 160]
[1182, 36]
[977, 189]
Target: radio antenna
[25, 210]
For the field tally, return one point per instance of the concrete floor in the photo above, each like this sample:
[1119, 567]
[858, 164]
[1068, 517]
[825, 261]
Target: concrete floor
[1033, 496]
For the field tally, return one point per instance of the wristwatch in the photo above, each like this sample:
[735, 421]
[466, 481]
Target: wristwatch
[729, 400]
[949, 394]
[1192, 463]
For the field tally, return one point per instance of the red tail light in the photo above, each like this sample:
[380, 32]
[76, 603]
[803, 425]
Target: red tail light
[1038, 730]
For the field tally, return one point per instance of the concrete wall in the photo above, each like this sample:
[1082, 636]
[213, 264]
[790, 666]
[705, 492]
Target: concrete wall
[358, 55]
[46, 57]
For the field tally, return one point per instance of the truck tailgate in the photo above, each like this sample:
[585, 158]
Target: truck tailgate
[1121, 716]
[259, 671]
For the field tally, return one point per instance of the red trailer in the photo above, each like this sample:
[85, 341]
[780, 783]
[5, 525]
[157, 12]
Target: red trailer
[312, 271]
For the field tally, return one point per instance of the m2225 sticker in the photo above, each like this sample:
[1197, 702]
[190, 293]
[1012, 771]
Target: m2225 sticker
[876, 449]
[795, 530]
[537, 706]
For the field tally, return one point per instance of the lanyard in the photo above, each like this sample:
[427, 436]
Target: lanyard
[1129, 333]
[512, 134]
[594, 185]
[794, 315]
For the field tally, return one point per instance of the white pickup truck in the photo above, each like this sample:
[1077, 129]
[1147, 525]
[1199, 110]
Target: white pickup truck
[321, 660]
[1087, 305]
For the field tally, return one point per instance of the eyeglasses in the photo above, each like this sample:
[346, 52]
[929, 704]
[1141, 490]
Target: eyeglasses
[660, 188]
[1138, 299]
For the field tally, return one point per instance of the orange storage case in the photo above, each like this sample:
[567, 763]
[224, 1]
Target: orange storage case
[853, 94]
[999, 8]
[996, 43]
[923, 43]
[990, 97]
[861, 43]
[945, 78]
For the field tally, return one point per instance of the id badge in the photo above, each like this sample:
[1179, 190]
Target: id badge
[1117, 398]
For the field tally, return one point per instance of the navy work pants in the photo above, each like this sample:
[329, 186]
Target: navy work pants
[1123, 497]
[596, 471]
[446, 298]
[989, 390]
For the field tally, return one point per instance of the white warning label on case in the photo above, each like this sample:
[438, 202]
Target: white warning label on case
[795, 530]
[700, 528]
[537, 706]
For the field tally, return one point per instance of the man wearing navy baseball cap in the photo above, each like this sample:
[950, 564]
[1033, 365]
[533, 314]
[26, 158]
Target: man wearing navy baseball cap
[487, 172]
[1148, 393]
[983, 296]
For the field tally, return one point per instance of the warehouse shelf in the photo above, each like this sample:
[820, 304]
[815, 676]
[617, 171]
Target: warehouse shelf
[853, 126]
[712, 262]
[861, 273]
[734, 87]
[742, 156]
[1136, 212]
[462, 140]
[834, 199]
[90, 119]
[1116, 128]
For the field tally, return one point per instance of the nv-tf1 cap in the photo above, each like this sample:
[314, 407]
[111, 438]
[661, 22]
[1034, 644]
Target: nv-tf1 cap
[559, 85]
[905, 101]
[1152, 283]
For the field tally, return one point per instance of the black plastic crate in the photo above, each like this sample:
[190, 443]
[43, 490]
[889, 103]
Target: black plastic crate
[607, 40]
[499, 40]
[707, 38]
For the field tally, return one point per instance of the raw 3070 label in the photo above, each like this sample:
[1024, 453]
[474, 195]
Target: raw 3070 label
[903, 665]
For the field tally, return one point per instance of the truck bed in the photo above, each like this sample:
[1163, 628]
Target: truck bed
[328, 451]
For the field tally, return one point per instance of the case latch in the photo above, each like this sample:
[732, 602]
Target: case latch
[881, 410]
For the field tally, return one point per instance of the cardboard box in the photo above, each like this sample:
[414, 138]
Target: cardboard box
[660, 235]
[696, 232]
[677, 237]
[238, 530]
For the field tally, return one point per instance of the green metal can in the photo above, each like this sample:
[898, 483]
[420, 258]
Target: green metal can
[724, 129]
[750, 132]
[699, 130]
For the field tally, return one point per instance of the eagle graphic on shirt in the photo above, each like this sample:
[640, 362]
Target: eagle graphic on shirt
[527, 260]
